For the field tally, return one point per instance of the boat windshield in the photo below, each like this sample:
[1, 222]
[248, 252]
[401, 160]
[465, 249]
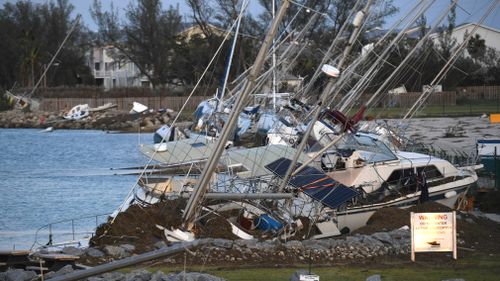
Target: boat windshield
[371, 149]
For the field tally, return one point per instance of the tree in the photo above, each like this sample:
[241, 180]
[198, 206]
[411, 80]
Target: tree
[147, 36]
[476, 47]
[29, 36]
[211, 15]
[446, 41]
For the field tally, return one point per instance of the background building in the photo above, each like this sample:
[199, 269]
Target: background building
[111, 70]
[490, 35]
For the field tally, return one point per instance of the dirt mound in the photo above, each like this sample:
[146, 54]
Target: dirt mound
[214, 226]
[391, 218]
[473, 232]
[138, 226]
[385, 219]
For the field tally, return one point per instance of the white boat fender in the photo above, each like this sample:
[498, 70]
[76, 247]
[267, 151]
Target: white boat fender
[450, 194]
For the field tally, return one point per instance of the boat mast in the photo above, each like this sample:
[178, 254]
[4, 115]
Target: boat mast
[419, 9]
[379, 90]
[330, 50]
[220, 102]
[358, 19]
[75, 24]
[194, 201]
[274, 61]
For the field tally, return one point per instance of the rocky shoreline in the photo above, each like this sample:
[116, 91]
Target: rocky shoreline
[381, 239]
[217, 251]
[110, 120]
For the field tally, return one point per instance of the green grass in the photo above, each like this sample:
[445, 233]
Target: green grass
[476, 268]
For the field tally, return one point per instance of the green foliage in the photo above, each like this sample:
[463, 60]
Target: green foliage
[146, 36]
[476, 47]
[30, 34]
[4, 104]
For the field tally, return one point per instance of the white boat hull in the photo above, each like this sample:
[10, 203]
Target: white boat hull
[355, 218]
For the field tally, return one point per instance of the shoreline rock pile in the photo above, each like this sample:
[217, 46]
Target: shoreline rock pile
[326, 251]
[386, 233]
[217, 251]
[110, 120]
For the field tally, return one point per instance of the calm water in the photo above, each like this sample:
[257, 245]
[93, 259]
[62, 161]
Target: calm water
[49, 177]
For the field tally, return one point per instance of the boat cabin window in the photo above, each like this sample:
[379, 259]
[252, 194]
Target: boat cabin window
[401, 177]
[431, 172]
[372, 149]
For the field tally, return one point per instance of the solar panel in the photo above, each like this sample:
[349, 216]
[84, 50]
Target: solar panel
[314, 183]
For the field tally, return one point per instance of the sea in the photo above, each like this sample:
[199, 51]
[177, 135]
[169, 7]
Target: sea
[57, 186]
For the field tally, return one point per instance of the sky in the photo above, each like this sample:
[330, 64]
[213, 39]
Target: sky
[466, 7]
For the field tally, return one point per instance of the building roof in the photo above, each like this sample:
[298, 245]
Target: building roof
[469, 24]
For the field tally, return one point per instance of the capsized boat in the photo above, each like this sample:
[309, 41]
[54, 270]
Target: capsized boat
[339, 190]
[47, 130]
[366, 175]
[77, 112]
[138, 108]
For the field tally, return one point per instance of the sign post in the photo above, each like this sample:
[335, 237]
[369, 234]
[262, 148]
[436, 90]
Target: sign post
[433, 232]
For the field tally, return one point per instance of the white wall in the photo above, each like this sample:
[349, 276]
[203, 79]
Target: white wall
[491, 37]
[114, 73]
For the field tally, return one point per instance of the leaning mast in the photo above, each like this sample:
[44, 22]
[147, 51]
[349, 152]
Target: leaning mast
[194, 201]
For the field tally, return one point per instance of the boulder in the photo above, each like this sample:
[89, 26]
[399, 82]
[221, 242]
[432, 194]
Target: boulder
[138, 275]
[94, 278]
[160, 244]
[128, 247]
[293, 245]
[46, 276]
[371, 242]
[222, 243]
[247, 243]
[70, 250]
[383, 237]
[113, 276]
[65, 270]
[18, 275]
[193, 276]
[95, 253]
[159, 276]
[116, 251]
